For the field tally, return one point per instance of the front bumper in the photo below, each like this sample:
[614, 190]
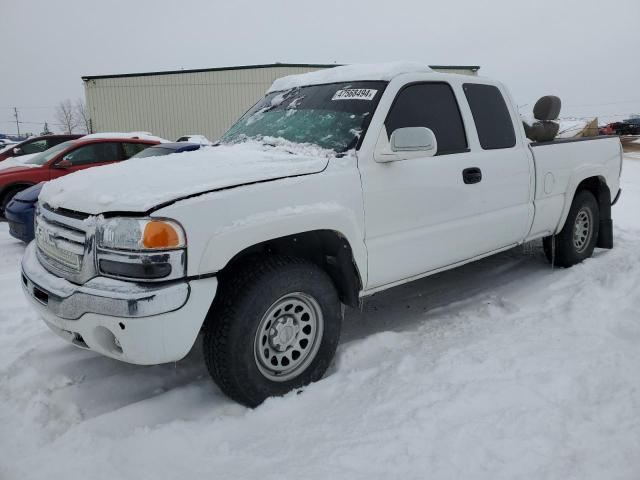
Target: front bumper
[131, 322]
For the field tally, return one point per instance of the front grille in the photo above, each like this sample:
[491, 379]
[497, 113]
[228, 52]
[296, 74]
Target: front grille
[65, 245]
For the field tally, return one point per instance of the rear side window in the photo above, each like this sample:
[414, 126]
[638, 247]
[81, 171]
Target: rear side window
[491, 116]
[431, 105]
[34, 147]
[130, 148]
[52, 142]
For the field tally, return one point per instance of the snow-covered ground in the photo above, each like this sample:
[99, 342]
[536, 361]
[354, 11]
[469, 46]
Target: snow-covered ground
[500, 369]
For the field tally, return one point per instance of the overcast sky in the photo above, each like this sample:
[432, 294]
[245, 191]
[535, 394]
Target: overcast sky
[584, 51]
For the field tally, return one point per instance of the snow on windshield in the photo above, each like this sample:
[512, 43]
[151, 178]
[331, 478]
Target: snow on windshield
[332, 116]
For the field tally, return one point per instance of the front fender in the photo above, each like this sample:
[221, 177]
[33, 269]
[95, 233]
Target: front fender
[221, 224]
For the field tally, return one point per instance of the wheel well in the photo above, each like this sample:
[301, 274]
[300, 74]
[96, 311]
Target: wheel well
[326, 248]
[600, 190]
[13, 188]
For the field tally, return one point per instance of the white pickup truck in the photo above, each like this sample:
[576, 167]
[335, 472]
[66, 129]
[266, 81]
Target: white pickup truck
[336, 185]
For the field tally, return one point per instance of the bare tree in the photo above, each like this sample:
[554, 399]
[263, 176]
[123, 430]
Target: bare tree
[82, 116]
[66, 116]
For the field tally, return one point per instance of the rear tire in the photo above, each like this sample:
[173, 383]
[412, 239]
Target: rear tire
[274, 327]
[579, 236]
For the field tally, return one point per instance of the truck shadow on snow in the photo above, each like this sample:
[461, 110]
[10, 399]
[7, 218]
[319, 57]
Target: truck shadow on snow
[98, 385]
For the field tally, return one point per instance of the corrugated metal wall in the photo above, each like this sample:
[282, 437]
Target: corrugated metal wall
[176, 104]
[171, 105]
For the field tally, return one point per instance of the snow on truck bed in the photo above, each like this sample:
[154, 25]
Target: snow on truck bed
[501, 369]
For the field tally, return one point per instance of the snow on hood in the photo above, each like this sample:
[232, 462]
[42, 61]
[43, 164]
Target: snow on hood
[139, 184]
[12, 162]
[349, 73]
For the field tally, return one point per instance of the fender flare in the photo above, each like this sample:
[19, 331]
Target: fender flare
[576, 179]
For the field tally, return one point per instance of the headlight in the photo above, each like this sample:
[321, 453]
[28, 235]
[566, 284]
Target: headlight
[141, 249]
[123, 233]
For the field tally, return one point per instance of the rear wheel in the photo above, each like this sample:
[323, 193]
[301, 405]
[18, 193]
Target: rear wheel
[579, 236]
[274, 327]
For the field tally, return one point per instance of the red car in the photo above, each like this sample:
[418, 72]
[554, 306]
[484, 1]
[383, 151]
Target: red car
[65, 158]
[35, 145]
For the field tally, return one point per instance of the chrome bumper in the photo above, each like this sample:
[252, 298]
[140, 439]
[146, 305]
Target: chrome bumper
[100, 295]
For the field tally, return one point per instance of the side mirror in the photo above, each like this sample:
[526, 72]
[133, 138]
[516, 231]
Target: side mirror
[413, 139]
[63, 164]
[17, 151]
[406, 143]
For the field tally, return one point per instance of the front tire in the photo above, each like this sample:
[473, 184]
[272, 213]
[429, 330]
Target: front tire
[274, 327]
[577, 239]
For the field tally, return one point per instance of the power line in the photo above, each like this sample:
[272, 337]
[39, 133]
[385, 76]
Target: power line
[33, 123]
[27, 108]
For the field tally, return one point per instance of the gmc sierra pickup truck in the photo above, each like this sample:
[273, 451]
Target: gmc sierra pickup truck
[336, 185]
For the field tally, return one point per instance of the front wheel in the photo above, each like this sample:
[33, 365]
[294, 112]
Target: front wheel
[274, 327]
[579, 236]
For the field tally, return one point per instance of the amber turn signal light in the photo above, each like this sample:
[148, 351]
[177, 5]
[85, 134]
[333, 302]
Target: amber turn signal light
[159, 234]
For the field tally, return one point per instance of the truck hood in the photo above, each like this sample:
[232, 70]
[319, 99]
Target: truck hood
[140, 184]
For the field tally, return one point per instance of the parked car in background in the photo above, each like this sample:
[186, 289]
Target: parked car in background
[35, 145]
[65, 158]
[201, 139]
[168, 148]
[20, 213]
[5, 142]
[21, 209]
[336, 185]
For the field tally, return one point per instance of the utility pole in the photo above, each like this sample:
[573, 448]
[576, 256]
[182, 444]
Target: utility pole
[15, 114]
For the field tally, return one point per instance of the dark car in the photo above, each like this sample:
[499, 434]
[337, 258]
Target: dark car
[36, 145]
[20, 211]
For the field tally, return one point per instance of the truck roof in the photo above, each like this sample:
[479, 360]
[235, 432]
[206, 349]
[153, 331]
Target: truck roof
[349, 73]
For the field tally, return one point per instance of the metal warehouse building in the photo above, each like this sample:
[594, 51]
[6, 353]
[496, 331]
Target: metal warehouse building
[175, 103]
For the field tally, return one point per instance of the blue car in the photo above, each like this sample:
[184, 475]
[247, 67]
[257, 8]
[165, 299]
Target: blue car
[20, 211]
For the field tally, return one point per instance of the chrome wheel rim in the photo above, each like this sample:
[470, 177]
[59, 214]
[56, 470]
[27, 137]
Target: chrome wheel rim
[582, 230]
[288, 336]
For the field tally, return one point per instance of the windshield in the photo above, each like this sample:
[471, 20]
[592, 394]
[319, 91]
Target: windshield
[153, 152]
[43, 157]
[333, 116]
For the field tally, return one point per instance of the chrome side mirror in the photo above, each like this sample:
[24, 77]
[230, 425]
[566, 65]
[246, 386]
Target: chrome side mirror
[413, 139]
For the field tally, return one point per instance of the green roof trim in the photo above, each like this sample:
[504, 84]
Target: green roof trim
[86, 78]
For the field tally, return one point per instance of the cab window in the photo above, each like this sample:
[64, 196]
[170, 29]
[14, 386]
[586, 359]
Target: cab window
[490, 115]
[431, 105]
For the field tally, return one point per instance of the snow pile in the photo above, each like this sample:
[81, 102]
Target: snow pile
[502, 369]
[140, 135]
[349, 73]
[142, 183]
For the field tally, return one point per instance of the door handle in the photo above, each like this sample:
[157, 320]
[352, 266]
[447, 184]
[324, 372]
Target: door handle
[472, 175]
